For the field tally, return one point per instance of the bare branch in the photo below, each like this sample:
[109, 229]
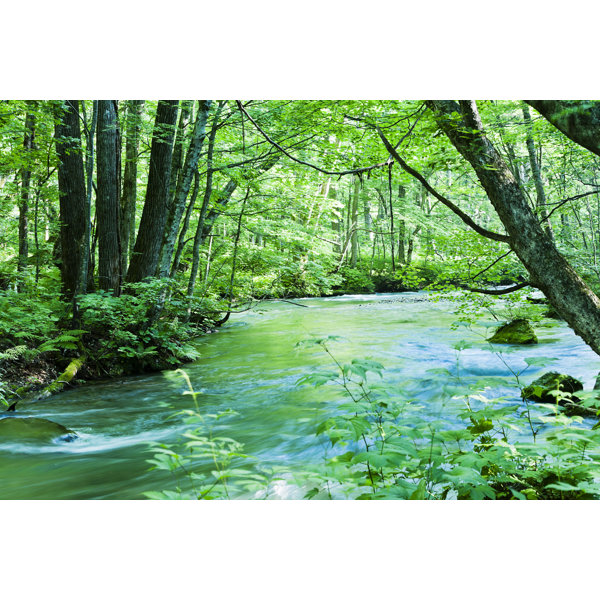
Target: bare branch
[281, 149]
[490, 266]
[568, 200]
[498, 237]
[514, 288]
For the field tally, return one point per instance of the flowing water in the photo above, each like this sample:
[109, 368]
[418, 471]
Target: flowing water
[251, 366]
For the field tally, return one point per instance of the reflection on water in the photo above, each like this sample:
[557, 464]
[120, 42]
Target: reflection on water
[251, 366]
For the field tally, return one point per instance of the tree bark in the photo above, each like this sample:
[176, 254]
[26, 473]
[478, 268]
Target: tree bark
[354, 225]
[579, 120]
[536, 171]
[107, 200]
[183, 187]
[74, 223]
[179, 145]
[129, 193]
[145, 255]
[89, 178]
[548, 270]
[28, 144]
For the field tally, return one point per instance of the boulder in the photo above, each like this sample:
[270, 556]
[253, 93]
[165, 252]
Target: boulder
[518, 331]
[541, 390]
[33, 429]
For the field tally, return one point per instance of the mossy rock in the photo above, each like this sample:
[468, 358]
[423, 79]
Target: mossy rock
[34, 429]
[518, 331]
[544, 388]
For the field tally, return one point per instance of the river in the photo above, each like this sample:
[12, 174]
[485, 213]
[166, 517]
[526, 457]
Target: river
[251, 366]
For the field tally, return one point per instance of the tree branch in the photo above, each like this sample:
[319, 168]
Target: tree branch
[282, 150]
[498, 237]
[567, 200]
[514, 288]
[490, 266]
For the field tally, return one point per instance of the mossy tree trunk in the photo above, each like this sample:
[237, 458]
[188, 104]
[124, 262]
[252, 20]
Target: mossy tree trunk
[548, 269]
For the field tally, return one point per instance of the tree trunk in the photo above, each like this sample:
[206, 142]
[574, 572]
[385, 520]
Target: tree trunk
[548, 270]
[28, 144]
[536, 172]
[183, 186]
[392, 249]
[107, 200]
[89, 178]
[401, 228]
[74, 223]
[354, 226]
[579, 120]
[129, 194]
[179, 145]
[145, 255]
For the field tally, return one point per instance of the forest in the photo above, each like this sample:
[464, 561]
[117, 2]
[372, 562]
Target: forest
[300, 299]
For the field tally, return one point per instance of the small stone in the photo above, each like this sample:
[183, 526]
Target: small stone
[518, 331]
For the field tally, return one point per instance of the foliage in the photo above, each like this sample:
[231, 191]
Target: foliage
[204, 465]
[382, 448]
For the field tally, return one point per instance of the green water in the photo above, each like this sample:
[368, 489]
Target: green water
[251, 366]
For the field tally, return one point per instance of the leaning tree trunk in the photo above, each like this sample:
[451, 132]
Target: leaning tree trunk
[579, 120]
[145, 255]
[74, 221]
[548, 270]
[107, 200]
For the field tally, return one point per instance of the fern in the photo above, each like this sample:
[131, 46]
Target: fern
[68, 340]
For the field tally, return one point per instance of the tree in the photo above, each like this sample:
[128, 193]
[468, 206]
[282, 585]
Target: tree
[547, 268]
[129, 193]
[74, 222]
[107, 201]
[182, 190]
[145, 255]
[28, 145]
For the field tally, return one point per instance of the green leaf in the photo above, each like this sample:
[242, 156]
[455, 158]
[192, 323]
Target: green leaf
[419, 493]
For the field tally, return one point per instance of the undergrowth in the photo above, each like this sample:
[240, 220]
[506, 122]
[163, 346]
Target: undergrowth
[383, 444]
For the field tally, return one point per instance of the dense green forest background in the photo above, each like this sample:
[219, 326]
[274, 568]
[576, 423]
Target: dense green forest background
[128, 227]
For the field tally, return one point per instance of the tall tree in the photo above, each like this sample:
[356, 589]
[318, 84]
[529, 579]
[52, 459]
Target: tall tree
[145, 255]
[536, 170]
[107, 201]
[129, 193]
[183, 187]
[28, 144]
[353, 216]
[74, 222]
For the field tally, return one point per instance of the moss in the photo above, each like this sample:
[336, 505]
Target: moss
[33, 429]
[65, 377]
[518, 331]
[545, 387]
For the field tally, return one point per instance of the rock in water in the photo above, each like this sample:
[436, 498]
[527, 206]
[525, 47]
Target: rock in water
[540, 390]
[33, 429]
[518, 331]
